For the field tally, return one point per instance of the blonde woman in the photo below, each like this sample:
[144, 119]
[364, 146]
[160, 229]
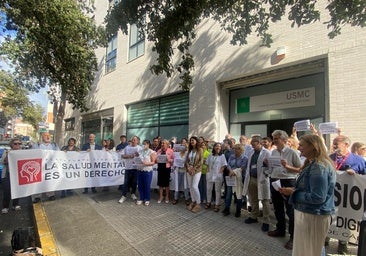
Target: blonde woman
[312, 197]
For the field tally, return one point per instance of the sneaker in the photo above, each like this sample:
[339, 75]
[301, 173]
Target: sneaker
[226, 212]
[17, 208]
[139, 202]
[250, 221]
[265, 227]
[122, 199]
[36, 200]
[5, 210]
[147, 203]
[134, 197]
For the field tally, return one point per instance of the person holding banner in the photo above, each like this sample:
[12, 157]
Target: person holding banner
[145, 172]
[15, 144]
[165, 160]
[344, 160]
[46, 145]
[91, 145]
[312, 197]
[71, 146]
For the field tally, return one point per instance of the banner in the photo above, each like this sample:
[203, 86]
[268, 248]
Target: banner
[36, 171]
[350, 202]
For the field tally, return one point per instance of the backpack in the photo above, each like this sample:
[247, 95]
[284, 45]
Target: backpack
[23, 238]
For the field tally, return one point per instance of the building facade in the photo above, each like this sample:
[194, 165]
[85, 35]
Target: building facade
[246, 89]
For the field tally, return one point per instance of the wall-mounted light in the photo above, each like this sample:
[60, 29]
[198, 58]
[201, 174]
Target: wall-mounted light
[280, 53]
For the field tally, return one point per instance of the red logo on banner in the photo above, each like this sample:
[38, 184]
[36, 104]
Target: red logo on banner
[29, 171]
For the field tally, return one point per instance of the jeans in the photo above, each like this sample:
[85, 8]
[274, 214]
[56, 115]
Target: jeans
[130, 181]
[144, 179]
[202, 186]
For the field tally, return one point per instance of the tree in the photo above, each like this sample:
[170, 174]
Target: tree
[15, 102]
[174, 21]
[53, 44]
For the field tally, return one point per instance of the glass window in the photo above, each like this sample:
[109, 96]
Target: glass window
[137, 42]
[110, 62]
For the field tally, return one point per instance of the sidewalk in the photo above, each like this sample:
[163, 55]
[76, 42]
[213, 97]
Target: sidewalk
[12, 220]
[96, 224]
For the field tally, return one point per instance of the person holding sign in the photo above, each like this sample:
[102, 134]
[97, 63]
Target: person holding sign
[284, 166]
[237, 165]
[312, 197]
[144, 173]
[180, 173]
[165, 158]
[216, 163]
[193, 166]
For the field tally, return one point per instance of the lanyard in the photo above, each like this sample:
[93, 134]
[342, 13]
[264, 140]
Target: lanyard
[339, 164]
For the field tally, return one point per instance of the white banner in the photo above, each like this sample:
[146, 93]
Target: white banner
[350, 201]
[36, 171]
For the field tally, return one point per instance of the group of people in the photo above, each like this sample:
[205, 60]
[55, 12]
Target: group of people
[296, 175]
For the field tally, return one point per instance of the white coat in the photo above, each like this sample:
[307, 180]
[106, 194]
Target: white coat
[262, 180]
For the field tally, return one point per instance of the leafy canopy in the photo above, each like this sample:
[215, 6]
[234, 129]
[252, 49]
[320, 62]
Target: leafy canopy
[53, 44]
[174, 21]
[15, 102]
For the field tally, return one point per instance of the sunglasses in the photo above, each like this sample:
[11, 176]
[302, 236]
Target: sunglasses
[17, 143]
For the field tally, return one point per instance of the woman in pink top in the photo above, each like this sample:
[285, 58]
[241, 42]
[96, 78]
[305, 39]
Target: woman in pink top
[165, 158]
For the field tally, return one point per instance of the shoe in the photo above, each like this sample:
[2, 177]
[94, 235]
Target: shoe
[4, 210]
[51, 198]
[276, 233]
[250, 221]
[17, 208]
[237, 214]
[265, 227]
[196, 208]
[159, 201]
[167, 201]
[217, 208]
[249, 208]
[187, 202]
[139, 202]
[122, 199]
[342, 248]
[289, 244]
[147, 203]
[208, 206]
[327, 240]
[36, 200]
[94, 190]
[134, 197]
[190, 207]
[175, 202]
[226, 212]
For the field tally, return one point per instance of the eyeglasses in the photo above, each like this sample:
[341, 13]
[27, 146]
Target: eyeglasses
[17, 143]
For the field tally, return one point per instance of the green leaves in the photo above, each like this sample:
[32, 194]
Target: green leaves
[173, 22]
[53, 45]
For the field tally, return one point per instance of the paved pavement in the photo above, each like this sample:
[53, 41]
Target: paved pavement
[95, 224]
[13, 220]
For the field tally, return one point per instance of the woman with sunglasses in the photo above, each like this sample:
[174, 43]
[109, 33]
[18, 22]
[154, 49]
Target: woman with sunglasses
[15, 144]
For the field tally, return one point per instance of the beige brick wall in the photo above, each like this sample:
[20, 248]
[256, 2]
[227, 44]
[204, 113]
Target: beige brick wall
[217, 60]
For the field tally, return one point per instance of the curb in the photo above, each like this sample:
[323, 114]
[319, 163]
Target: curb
[44, 231]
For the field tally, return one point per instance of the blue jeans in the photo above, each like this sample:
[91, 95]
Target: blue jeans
[228, 197]
[202, 186]
[130, 181]
[144, 184]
